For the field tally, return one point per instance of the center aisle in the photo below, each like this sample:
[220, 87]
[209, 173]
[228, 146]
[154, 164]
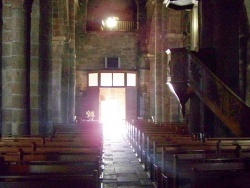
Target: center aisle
[122, 168]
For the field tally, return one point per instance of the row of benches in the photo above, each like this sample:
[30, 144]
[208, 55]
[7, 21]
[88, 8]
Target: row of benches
[70, 158]
[173, 158]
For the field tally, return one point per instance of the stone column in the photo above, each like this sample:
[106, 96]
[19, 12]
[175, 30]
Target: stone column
[14, 72]
[58, 43]
[143, 64]
[58, 54]
[34, 69]
[68, 66]
[72, 63]
[247, 6]
[6, 79]
[65, 77]
[45, 67]
[1, 62]
[159, 62]
[144, 84]
[152, 85]
[165, 60]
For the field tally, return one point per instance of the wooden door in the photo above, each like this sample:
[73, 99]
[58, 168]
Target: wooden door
[131, 103]
[92, 101]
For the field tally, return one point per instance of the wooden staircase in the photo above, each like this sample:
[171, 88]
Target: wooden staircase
[220, 99]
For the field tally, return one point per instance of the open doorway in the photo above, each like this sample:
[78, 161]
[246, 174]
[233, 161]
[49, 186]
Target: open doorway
[112, 111]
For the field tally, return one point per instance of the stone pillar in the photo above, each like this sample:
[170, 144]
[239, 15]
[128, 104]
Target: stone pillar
[58, 43]
[143, 64]
[165, 61]
[14, 72]
[247, 6]
[72, 62]
[144, 84]
[159, 62]
[58, 55]
[65, 77]
[152, 59]
[34, 69]
[45, 67]
[1, 62]
[6, 58]
[68, 67]
[152, 84]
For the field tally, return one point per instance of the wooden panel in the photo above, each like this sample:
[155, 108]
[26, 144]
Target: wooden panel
[131, 103]
[92, 101]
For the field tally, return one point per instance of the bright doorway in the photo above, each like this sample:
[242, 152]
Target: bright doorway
[112, 111]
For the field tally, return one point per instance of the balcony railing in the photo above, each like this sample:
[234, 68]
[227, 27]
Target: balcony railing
[128, 26]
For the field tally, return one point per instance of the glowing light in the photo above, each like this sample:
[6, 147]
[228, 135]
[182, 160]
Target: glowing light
[180, 2]
[172, 89]
[113, 126]
[110, 22]
[168, 51]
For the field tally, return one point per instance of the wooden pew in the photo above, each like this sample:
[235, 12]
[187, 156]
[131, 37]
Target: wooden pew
[169, 159]
[147, 142]
[158, 158]
[53, 167]
[138, 135]
[135, 129]
[155, 139]
[49, 181]
[57, 158]
[155, 142]
[55, 170]
[72, 156]
[89, 150]
[154, 160]
[219, 175]
[22, 141]
[182, 169]
[141, 136]
[168, 127]
[153, 151]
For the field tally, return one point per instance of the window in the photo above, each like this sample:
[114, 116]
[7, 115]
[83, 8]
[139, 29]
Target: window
[93, 79]
[112, 79]
[131, 79]
[112, 63]
[118, 79]
[106, 79]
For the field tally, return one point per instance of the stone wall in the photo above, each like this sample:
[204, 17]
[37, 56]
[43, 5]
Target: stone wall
[93, 47]
[91, 51]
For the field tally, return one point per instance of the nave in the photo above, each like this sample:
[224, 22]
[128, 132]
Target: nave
[122, 168]
[140, 154]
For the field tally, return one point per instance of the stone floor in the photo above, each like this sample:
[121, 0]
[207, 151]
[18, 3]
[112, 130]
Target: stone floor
[122, 168]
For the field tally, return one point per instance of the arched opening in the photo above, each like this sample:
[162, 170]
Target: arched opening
[100, 10]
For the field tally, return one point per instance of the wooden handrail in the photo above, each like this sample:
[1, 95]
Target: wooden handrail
[224, 103]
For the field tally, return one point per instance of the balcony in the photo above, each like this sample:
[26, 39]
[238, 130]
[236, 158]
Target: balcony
[125, 26]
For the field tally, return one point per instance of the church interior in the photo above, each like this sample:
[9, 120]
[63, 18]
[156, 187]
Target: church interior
[125, 93]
